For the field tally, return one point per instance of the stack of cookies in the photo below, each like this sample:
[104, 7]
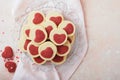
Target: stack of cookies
[47, 37]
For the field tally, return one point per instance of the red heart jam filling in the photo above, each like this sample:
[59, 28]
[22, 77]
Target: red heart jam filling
[69, 28]
[62, 49]
[47, 53]
[59, 38]
[38, 18]
[58, 58]
[39, 36]
[11, 66]
[57, 20]
[38, 59]
[48, 29]
[27, 41]
[8, 52]
[27, 32]
[33, 50]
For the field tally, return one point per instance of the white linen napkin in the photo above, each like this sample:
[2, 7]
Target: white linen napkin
[72, 10]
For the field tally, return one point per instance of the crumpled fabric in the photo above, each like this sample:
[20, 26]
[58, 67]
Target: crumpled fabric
[71, 10]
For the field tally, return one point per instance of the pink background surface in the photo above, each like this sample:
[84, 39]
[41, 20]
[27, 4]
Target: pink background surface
[102, 18]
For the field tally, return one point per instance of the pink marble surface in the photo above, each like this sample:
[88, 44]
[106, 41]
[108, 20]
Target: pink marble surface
[102, 61]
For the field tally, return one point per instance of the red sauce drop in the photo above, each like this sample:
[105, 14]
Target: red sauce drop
[47, 53]
[26, 43]
[40, 36]
[58, 58]
[59, 38]
[8, 52]
[27, 32]
[33, 50]
[69, 28]
[38, 59]
[38, 18]
[48, 29]
[62, 49]
[57, 20]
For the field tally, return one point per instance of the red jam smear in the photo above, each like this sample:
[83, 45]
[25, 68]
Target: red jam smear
[58, 58]
[59, 38]
[38, 18]
[62, 49]
[33, 50]
[27, 32]
[69, 28]
[27, 41]
[47, 53]
[48, 30]
[57, 20]
[39, 36]
[38, 59]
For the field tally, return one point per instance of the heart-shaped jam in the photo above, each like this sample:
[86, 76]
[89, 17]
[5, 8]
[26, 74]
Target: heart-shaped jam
[48, 29]
[57, 20]
[11, 66]
[62, 49]
[38, 59]
[8, 52]
[39, 36]
[59, 38]
[38, 18]
[47, 53]
[33, 50]
[27, 41]
[69, 28]
[58, 59]
[27, 32]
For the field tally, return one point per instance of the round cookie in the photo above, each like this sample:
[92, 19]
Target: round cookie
[68, 26]
[64, 49]
[38, 60]
[59, 59]
[23, 43]
[58, 36]
[49, 26]
[47, 50]
[35, 18]
[38, 35]
[56, 17]
[71, 39]
[32, 49]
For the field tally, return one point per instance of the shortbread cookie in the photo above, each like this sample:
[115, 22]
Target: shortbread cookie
[23, 43]
[32, 49]
[56, 17]
[47, 50]
[71, 39]
[68, 26]
[49, 25]
[58, 36]
[64, 49]
[59, 59]
[25, 31]
[38, 35]
[38, 60]
[35, 18]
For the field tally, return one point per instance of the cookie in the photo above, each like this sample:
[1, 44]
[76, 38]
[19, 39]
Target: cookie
[23, 43]
[35, 18]
[38, 60]
[64, 49]
[49, 26]
[38, 35]
[59, 59]
[32, 49]
[58, 36]
[56, 17]
[25, 31]
[71, 39]
[68, 26]
[47, 50]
